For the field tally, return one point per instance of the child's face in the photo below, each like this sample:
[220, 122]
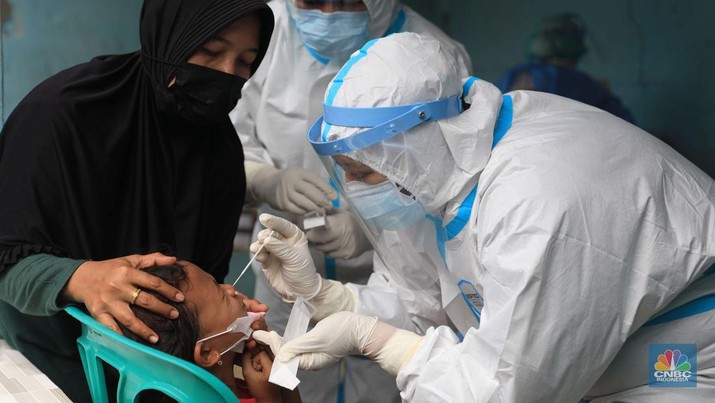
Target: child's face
[217, 305]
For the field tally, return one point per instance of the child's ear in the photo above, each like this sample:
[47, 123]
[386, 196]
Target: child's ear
[205, 356]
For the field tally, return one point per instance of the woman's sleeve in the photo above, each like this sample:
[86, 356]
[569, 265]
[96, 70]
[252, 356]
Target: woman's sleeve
[31, 181]
[33, 284]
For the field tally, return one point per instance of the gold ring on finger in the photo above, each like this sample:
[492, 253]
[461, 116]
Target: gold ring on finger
[135, 295]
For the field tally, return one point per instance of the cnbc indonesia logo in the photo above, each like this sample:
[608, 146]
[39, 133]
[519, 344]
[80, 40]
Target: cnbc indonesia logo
[672, 366]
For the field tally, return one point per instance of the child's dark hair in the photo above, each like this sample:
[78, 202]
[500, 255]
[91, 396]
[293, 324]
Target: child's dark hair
[176, 336]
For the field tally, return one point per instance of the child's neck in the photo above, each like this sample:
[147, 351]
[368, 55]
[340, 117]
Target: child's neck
[224, 372]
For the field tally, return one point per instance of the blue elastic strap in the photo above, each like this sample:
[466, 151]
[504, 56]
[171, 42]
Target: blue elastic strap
[506, 111]
[697, 306]
[397, 24]
[338, 81]
[694, 307]
[331, 272]
[506, 115]
[468, 85]
[440, 237]
[503, 124]
[408, 116]
[316, 56]
[460, 220]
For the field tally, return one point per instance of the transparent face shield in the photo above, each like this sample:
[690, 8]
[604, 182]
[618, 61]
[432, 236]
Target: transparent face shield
[406, 238]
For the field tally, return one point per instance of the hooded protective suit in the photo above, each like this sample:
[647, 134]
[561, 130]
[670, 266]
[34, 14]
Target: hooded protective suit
[278, 105]
[559, 243]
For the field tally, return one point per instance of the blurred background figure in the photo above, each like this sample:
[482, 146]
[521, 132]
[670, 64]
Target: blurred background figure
[553, 52]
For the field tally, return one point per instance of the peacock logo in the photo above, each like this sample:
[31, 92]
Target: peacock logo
[673, 365]
[672, 360]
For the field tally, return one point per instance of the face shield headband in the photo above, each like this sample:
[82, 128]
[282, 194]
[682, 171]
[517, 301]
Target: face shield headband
[383, 123]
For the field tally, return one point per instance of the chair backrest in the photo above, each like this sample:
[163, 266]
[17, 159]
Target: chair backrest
[141, 368]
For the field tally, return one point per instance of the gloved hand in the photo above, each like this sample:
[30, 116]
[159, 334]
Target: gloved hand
[289, 268]
[295, 190]
[285, 259]
[342, 334]
[270, 339]
[341, 238]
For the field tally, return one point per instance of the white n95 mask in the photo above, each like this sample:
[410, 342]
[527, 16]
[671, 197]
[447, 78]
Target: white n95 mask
[333, 35]
[384, 205]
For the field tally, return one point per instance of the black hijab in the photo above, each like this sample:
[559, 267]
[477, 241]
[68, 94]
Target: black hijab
[91, 169]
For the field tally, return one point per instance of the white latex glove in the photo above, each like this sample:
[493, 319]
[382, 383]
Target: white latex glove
[332, 297]
[295, 190]
[343, 334]
[270, 339]
[341, 238]
[285, 259]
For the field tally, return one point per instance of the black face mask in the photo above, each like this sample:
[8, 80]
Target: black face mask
[201, 95]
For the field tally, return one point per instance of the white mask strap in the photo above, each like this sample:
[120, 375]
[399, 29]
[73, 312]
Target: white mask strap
[240, 325]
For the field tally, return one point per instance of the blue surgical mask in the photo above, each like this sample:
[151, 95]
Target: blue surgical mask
[334, 36]
[384, 205]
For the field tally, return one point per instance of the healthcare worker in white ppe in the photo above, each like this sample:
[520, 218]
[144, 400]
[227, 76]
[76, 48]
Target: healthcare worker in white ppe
[313, 39]
[567, 250]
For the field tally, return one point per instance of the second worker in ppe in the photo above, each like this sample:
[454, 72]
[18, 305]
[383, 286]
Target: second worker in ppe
[312, 40]
[535, 249]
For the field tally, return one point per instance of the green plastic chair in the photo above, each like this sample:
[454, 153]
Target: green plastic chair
[141, 368]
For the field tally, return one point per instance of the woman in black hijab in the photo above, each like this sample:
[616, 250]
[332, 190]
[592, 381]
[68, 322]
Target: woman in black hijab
[117, 155]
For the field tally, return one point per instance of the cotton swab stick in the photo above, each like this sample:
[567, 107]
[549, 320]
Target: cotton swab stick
[252, 259]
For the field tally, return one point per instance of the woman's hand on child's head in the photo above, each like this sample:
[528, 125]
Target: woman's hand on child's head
[108, 288]
[256, 371]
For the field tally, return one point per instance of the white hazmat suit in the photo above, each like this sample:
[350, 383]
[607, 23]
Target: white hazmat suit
[278, 105]
[559, 244]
